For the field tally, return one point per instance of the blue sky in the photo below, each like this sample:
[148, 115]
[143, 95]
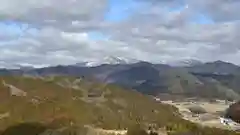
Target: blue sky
[11, 28]
[120, 10]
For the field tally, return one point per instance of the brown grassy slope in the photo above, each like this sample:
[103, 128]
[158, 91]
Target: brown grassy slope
[102, 105]
[64, 101]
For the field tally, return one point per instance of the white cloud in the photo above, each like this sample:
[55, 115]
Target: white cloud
[55, 13]
[58, 31]
[53, 47]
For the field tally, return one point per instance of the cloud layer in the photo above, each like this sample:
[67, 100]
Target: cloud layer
[60, 31]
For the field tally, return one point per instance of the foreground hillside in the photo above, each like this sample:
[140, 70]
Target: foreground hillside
[64, 102]
[44, 99]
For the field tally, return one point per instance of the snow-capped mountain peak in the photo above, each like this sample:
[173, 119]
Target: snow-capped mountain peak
[107, 60]
[114, 60]
[184, 63]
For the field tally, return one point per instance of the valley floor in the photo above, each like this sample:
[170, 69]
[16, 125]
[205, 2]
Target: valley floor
[100, 131]
[214, 111]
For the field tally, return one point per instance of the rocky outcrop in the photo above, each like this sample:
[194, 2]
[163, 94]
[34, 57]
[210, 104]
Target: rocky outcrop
[197, 109]
[4, 115]
[14, 91]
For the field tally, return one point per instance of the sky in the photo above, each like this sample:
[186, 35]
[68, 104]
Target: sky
[52, 32]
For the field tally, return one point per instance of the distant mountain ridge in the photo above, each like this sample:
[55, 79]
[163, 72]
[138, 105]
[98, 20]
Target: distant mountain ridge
[217, 67]
[211, 80]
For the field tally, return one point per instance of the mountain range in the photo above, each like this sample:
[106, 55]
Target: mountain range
[209, 80]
